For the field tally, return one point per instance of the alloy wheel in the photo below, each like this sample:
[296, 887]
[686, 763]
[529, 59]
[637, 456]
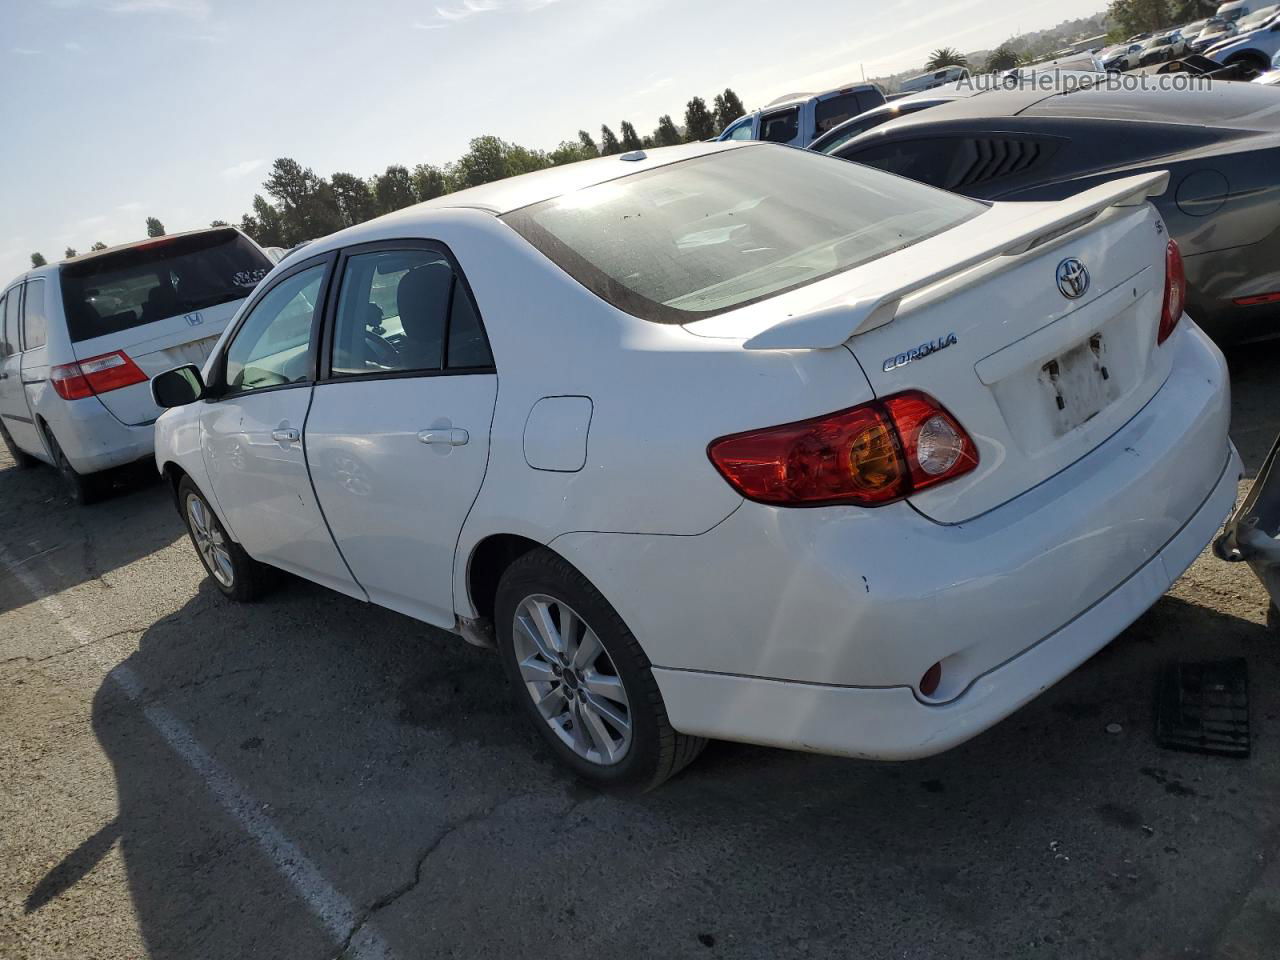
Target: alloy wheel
[210, 541]
[572, 679]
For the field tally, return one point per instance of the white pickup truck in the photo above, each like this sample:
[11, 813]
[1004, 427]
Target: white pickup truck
[799, 119]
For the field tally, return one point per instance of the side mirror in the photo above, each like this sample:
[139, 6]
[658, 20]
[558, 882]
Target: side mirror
[177, 387]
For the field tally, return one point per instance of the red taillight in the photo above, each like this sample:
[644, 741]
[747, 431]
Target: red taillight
[871, 454]
[110, 371]
[1257, 301]
[1175, 292]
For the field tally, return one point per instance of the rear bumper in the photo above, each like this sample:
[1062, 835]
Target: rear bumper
[844, 609]
[93, 439]
[891, 723]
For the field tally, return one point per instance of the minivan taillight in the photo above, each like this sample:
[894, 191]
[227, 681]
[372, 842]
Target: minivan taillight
[1175, 292]
[101, 374]
[871, 454]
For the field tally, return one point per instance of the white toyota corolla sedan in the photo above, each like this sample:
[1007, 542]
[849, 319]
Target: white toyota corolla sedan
[731, 441]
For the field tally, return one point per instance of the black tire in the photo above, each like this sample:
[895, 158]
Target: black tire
[244, 579]
[21, 458]
[656, 752]
[83, 488]
[1253, 61]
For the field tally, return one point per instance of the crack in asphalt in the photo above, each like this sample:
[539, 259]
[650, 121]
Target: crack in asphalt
[389, 898]
[69, 650]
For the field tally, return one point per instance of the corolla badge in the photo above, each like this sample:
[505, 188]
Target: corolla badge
[1073, 278]
[916, 353]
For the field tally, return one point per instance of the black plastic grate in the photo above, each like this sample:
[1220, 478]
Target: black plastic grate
[1204, 707]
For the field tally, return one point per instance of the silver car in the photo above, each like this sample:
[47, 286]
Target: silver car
[81, 339]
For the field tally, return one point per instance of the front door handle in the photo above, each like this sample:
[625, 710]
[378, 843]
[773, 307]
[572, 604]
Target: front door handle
[446, 436]
[286, 434]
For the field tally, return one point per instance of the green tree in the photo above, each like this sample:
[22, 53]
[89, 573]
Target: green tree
[630, 139]
[219, 223]
[154, 227]
[699, 124]
[523, 159]
[945, 57]
[569, 151]
[666, 135]
[1142, 16]
[305, 207]
[728, 108]
[589, 148]
[266, 224]
[98, 245]
[428, 182]
[353, 197]
[484, 162]
[393, 190]
[38, 260]
[1002, 58]
[68, 253]
[609, 144]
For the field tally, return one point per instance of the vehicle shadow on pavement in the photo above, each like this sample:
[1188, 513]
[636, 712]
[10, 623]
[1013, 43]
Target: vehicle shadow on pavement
[391, 757]
[74, 544]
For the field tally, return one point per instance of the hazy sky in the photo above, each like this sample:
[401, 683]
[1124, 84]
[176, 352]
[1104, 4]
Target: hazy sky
[114, 110]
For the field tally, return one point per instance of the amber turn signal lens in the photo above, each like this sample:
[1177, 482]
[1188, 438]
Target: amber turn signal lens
[875, 464]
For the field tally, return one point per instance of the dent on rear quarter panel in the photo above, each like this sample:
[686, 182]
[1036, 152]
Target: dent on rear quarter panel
[659, 395]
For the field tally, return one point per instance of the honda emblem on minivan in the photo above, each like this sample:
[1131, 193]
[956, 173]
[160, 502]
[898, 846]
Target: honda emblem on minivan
[194, 319]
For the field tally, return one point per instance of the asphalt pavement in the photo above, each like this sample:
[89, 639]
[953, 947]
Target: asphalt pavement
[311, 777]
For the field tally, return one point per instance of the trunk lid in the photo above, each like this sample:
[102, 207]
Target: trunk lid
[975, 317]
[1036, 378]
[155, 348]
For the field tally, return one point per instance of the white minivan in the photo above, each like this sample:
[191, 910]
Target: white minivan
[81, 339]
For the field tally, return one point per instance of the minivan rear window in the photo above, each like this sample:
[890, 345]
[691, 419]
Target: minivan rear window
[692, 239]
[166, 277]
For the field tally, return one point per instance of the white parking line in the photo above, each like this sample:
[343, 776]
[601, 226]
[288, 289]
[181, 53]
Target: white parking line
[334, 911]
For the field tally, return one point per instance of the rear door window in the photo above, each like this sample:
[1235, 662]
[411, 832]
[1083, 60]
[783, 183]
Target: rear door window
[780, 127]
[9, 335]
[405, 311]
[34, 324]
[163, 278]
[836, 110]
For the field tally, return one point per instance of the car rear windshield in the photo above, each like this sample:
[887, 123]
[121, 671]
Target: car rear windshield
[153, 281]
[699, 237]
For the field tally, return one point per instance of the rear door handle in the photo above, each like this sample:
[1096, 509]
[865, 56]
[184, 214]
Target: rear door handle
[447, 436]
[286, 434]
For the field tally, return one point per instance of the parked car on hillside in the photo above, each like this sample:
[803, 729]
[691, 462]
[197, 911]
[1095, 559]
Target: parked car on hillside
[1220, 144]
[1162, 48]
[1257, 42]
[796, 120]
[1121, 57]
[934, 78]
[761, 466]
[1192, 30]
[1216, 32]
[82, 338]
[1235, 10]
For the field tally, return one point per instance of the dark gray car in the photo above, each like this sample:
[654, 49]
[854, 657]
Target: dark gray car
[1220, 143]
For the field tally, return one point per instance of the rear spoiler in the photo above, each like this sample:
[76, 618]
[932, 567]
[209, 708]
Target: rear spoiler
[917, 267]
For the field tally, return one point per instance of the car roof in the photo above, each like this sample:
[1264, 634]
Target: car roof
[107, 251]
[1222, 104]
[504, 196]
